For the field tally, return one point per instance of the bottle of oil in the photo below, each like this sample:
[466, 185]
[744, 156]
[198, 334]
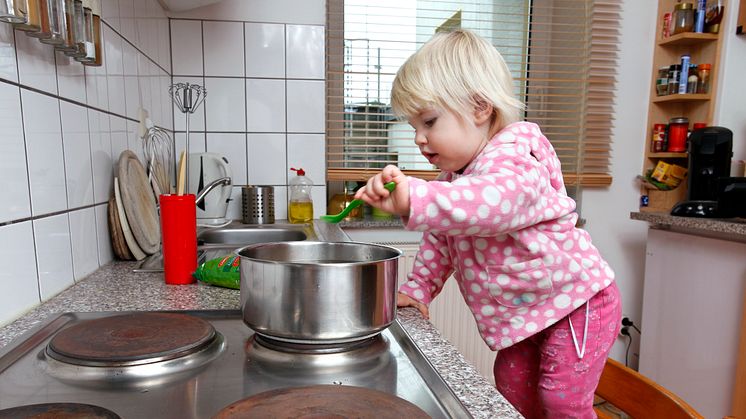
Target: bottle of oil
[300, 208]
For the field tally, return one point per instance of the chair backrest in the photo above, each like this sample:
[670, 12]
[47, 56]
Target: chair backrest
[640, 397]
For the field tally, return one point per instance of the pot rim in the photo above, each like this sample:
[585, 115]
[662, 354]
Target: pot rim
[241, 250]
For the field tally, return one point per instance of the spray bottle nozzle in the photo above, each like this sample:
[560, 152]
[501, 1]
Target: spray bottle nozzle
[299, 171]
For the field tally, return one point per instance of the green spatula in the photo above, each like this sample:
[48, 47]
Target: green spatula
[334, 219]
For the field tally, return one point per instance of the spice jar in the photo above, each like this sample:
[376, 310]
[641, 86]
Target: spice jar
[678, 128]
[95, 36]
[703, 72]
[33, 23]
[661, 82]
[659, 137]
[13, 11]
[53, 26]
[683, 18]
[674, 71]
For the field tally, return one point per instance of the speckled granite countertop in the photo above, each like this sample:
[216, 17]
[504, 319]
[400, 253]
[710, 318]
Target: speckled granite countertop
[115, 287]
[733, 229]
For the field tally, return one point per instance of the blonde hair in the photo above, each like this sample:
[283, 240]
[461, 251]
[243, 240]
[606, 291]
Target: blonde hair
[457, 71]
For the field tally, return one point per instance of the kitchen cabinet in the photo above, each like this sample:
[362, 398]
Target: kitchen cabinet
[703, 48]
[691, 319]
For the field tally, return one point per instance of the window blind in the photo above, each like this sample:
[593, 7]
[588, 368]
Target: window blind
[562, 55]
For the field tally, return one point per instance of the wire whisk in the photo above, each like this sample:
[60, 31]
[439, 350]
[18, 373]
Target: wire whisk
[159, 155]
[188, 97]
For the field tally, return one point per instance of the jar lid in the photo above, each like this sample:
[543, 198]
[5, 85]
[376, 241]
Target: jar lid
[684, 6]
[679, 120]
[704, 66]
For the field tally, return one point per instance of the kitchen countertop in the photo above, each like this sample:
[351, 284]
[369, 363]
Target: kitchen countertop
[733, 229]
[114, 287]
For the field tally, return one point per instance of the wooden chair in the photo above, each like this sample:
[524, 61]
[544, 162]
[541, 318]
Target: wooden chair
[638, 396]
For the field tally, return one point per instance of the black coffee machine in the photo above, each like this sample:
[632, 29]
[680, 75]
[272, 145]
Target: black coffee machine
[710, 153]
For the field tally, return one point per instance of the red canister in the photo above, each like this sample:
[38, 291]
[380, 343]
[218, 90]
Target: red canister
[678, 129]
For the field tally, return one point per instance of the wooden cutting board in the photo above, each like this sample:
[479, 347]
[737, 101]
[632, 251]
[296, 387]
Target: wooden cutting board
[139, 203]
[118, 243]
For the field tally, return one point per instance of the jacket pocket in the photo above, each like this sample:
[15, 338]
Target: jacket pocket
[522, 284]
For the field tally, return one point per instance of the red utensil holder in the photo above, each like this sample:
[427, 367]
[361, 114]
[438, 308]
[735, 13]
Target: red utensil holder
[179, 230]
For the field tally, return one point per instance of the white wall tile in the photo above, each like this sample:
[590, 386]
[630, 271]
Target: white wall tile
[53, 255]
[127, 19]
[144, 76]
[281, 202]
[225, 104]
[318, 195]
[36, 64]
[132, 94]
[84, 242]
[114, 71]
[267, 159]
[235, 208]
[233, 148]
[265, 50]
[265, 105]
[118, 128]
[101, 157]
[142, 39]
[70, 78]
[134, 142]
[197, 143]
[307, 151]
[46, 166]
[103, 237]
[110, 13]
[164, 44]
[186, 47]
[167, 106]
[18, 280]
[13, 174]
[77, 147]
[305, 51]
[305, 106]
[223, 48]
[197, 119]
[8, 68]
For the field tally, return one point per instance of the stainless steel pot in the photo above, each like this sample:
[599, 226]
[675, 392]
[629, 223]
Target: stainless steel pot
[318, 292]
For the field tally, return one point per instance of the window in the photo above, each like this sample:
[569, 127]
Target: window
[562, 54]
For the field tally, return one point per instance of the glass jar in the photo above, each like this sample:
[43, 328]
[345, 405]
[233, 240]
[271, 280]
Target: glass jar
[674, 72]
[33, 21]
[53, 28]
[87, 48]
[661, 82]
[678, 129]
[98, 52]
[703, 72]
[683, 18]
[13, 11]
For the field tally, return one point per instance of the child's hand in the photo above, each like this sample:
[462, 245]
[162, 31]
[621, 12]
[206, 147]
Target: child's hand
[374, 194]
[403, 300]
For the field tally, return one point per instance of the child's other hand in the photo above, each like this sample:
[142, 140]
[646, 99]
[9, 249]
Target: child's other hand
[374, 194]
[403, 300]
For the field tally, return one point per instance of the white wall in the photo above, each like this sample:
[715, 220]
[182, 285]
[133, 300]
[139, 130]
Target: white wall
[63, 126]
[264, 77]
[731, 107]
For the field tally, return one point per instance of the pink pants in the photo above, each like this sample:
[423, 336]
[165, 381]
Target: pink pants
[543, 376]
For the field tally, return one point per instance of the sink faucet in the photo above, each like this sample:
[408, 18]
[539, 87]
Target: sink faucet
[210, 186]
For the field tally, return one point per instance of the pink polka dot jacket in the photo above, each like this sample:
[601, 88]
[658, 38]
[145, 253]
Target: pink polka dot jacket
[505, 228]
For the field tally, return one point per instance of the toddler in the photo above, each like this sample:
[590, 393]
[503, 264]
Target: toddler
[499, 220]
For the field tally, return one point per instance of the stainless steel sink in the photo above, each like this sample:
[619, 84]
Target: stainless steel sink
[251, 235]
[217, 242]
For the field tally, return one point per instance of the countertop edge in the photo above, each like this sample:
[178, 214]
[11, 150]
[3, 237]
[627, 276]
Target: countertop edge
[733, 229]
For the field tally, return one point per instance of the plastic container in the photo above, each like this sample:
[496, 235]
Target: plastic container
[300, 207]
[179, 229]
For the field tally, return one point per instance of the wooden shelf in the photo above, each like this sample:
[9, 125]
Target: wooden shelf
[666, 155]
[688, 38]
[679, 98]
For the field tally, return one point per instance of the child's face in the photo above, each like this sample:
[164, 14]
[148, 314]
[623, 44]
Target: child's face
[447, 140]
